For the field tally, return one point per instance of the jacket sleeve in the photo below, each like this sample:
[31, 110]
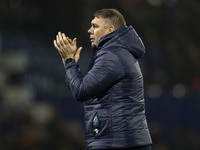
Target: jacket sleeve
[106, 71]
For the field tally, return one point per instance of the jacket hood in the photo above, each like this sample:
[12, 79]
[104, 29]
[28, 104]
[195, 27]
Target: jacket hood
[125, 37]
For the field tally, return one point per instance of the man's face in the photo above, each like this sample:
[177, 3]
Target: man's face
[97, 30]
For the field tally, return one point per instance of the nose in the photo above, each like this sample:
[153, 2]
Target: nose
[90, 30]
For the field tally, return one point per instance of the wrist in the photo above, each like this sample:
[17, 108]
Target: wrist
[68, 60]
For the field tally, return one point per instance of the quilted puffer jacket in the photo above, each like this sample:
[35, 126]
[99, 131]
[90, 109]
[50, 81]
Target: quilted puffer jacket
[112, 92]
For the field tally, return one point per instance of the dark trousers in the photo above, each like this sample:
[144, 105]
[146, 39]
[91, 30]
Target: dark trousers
[147, 147]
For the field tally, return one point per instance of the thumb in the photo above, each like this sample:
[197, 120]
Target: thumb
[77, 56]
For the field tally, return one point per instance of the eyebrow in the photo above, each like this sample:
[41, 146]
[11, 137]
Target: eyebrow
[94, 24]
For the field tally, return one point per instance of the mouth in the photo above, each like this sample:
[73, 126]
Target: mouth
[91, 40]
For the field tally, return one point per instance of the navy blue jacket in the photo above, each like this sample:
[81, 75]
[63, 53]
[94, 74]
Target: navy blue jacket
[112, 92]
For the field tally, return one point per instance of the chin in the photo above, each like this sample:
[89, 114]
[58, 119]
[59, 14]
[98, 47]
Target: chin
[93, 44]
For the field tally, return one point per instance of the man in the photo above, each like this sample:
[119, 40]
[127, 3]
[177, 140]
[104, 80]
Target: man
[112, 90]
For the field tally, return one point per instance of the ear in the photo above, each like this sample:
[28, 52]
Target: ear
[111, 29]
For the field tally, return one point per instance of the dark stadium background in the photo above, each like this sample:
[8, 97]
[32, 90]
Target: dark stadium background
[37, 111]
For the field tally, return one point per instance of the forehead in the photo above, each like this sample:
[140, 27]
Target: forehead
[98, 20]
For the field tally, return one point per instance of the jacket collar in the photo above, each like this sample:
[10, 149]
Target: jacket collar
[104, 39]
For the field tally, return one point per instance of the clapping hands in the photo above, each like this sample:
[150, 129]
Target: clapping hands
[66, 47]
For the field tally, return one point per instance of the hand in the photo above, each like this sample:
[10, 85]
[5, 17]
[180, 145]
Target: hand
[67, 47]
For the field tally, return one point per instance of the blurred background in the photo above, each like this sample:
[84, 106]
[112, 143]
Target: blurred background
[37, 111]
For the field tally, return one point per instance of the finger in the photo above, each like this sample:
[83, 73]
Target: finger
[60, 38]
[65, 39]
[59, 50]
[74, 41]
[55, 45]
[58, 42]
[69, 40]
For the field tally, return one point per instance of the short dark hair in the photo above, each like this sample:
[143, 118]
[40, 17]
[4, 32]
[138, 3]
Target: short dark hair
[113, 16]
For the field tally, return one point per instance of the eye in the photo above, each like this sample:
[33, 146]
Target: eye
[94, 26]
